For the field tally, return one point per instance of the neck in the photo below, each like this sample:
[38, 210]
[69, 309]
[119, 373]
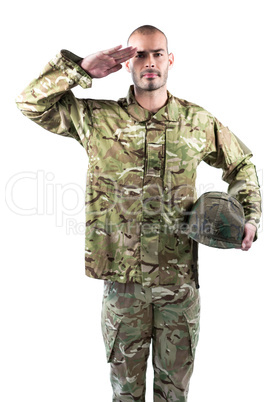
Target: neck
[151, 100]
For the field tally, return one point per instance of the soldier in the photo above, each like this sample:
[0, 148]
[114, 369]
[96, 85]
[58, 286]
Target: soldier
[143, 151]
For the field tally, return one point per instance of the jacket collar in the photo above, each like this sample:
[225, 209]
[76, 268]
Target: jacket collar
[169, 112]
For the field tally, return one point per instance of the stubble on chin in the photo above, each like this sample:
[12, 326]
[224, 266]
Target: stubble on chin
[149, 85]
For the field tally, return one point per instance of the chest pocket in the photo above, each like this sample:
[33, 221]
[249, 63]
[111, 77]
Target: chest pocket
[155, 159]
[155, 149]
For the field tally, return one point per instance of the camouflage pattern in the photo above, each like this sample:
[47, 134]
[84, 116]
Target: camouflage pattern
[131, 316]
[141, 173]
[217, 220]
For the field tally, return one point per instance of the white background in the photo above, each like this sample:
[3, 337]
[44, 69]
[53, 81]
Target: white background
[51, 342]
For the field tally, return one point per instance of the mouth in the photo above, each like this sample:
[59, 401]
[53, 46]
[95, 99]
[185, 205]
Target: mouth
[150, 74]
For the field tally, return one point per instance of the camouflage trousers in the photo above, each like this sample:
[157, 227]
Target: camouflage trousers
[132, 315]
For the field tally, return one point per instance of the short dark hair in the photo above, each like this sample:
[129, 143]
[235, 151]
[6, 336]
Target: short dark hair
[147, 30]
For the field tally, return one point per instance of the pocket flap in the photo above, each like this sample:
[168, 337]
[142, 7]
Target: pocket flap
[192, 316]
[110, 326]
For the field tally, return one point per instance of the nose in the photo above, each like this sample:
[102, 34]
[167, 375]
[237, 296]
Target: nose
[150, 61]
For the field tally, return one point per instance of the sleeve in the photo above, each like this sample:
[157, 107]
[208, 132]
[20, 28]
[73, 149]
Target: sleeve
[49, 101]
[228, 152]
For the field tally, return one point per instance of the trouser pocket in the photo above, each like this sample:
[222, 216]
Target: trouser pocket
[192, 317]
[110, 325]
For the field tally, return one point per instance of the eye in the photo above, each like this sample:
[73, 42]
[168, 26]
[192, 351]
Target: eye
[158, 54]
[139, 55]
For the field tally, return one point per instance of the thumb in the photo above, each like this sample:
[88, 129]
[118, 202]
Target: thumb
[249, 233]
[114, 69]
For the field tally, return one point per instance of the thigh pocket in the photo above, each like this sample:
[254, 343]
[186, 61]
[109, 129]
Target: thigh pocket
[192, 317]
[110, 325]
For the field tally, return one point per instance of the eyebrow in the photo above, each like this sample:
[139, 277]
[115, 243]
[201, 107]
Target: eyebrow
[151, 51]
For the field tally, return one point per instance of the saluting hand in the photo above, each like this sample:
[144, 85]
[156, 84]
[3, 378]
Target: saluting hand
[101, 64]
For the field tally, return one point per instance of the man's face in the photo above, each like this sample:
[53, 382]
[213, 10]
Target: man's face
[149, 67]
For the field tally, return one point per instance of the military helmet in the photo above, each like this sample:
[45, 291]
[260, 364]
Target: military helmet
[217, 220]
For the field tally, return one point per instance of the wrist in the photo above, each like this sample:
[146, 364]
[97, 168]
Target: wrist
[81, 64]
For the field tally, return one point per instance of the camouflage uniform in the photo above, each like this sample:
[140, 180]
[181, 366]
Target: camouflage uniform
[132, 315]
[140, 187]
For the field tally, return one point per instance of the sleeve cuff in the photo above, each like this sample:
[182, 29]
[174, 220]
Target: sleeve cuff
[67, 62]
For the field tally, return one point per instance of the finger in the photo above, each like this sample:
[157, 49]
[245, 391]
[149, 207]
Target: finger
[249, 234]
[246, 244]
[112, 50]
[124, 56]
[127, 52]
[120, 61]
[124, 59]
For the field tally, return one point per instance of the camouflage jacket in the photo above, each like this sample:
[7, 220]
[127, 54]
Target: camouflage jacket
[141, 172]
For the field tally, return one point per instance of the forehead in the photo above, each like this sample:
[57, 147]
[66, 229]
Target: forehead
[147, 42]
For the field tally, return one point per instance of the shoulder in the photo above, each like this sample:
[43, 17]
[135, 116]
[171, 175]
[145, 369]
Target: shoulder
[103, 111]
[193, 113]
[102, 106]
[190, 107]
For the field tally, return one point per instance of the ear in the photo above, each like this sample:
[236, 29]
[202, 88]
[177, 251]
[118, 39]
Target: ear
[170, 60]
[127, 65]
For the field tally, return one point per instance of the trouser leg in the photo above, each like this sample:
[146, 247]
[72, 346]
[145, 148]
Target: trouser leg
[127, 331]
[175, 336]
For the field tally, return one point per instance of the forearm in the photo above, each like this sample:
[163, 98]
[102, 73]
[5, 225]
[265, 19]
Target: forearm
[59, 76]
[244, 185]
[227, 152]
[48, 101]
